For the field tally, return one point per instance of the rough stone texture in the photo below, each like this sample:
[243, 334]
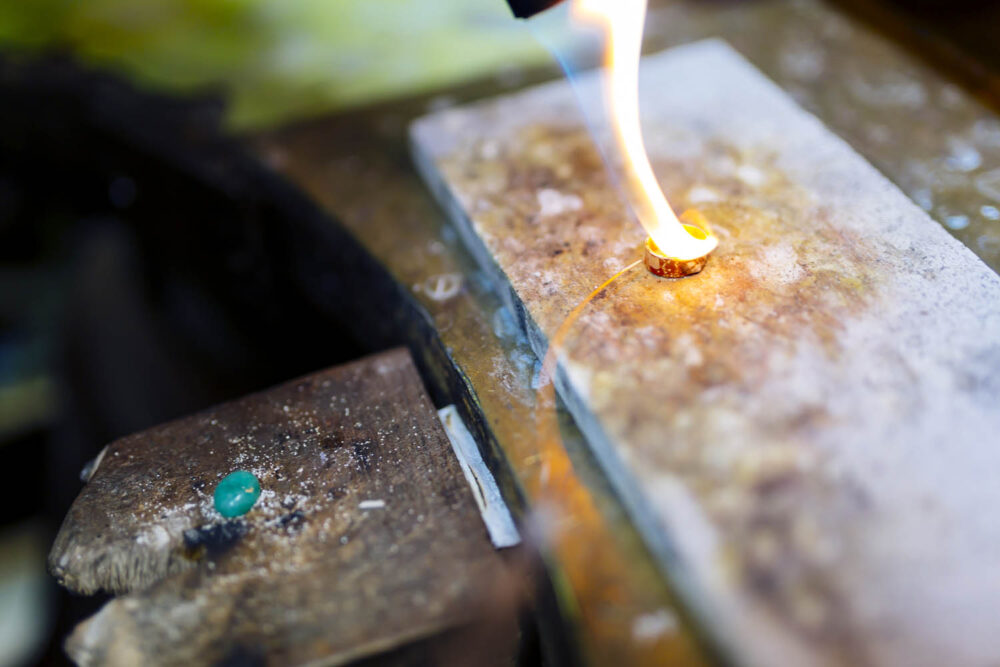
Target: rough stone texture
[805, 432]
[365, 536]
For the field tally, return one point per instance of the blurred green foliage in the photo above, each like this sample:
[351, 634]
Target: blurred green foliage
[279, 59]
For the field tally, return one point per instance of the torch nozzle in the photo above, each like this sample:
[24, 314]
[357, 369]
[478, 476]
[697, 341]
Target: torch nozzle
[527, 8]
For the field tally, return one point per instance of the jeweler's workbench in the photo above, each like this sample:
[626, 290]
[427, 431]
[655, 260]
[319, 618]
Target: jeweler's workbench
[927, 135]
[337, 218]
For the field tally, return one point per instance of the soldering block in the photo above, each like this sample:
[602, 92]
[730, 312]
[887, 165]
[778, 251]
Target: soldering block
[806, 432]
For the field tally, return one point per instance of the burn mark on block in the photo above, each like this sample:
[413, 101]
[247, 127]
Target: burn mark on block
[213, 540]
[363, 453]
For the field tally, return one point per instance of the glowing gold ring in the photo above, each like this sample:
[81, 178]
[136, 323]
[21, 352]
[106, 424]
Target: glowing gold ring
[672, 267]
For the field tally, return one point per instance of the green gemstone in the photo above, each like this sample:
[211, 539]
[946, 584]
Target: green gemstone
[236, 493]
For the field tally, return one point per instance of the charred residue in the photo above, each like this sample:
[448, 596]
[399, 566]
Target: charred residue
[212, 541]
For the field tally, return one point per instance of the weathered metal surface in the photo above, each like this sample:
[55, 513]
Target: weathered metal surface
[496, 515]
[366, 535]
[796, 427]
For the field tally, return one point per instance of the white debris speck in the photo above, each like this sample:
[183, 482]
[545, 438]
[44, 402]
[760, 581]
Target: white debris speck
[552, 202]
[489, 150]
[803, 62]
[879, 134]
[371, 504]
[986, 131]
[440, 287]
[963, 157]
[989, 184]
[778, 263]
[750, 175]
[700, 194]
[157, 537]
[650, 626]
[894, 90]
[612, 264]
[956, 222]
[923, 198]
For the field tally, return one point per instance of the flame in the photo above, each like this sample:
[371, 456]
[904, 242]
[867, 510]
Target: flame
[621, 22]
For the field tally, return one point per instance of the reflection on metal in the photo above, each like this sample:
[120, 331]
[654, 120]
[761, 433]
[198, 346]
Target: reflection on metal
[493, 509]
